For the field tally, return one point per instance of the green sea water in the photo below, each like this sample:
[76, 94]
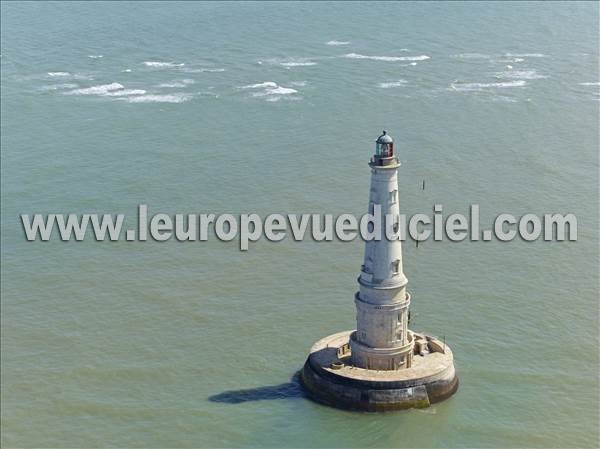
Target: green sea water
[273, 108]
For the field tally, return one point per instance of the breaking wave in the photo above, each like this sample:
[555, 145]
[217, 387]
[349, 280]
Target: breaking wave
[524, 55]
[259, 85]
[124, 92]
[277, 98]
[101, 89]
[202, 70]
[95, 56]
[337, 43]
[182, 83]
[59, 74]
[521, 74]
[297, 64]
[471, 56]
[280, 90]
[399, 83]
[171, 98]
[589, 84]
[387, 58]
[162, 65]
[479, 86]
[60, 86]
[270, 88]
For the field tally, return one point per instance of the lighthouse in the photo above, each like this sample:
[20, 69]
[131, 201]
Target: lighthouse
[381, 340]
[381, 365]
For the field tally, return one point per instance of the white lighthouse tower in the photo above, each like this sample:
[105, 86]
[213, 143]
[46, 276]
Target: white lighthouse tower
[382, 341]
[382, 365]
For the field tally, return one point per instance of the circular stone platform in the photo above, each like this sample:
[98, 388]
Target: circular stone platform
[329, 377]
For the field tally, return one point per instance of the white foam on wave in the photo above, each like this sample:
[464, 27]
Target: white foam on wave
[270, 88]
[259, 85]
[524, 55]
[471, 56]
[520, 75]
[202, 70]
[479, 86]
[127, 70]
[337, 43]
[589, 84]
[278, 98]
[181, 83]
[297, 64]
[95, 56]
[60, 86]
[69, 75]
[298, 83]
[162, 65]
[280, 90]
[124, 92]
[387, 58]
[101, 89]
[169, 98]
[399, 83]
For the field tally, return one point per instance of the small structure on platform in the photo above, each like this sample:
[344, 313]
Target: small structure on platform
[382, 365]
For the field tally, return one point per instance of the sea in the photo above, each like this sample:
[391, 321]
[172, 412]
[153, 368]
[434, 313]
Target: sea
[274, 108]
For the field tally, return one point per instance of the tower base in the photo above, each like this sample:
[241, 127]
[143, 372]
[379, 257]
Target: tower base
[329, 378]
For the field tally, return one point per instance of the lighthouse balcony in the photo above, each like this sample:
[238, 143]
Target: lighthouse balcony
[384, 161]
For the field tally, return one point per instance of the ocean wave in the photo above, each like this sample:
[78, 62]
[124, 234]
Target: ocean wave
[479, 86]
[337, 43]
[169, 98]
[101, 89]
[471, 56]
[524, 55]
[278, 98]
[279, 90]
[127, 70]
[161, 65]
[297, 64]
[589, 84]
[68, 75]
[181, 83]
[202, 70]
[95, 56]
[399, 83]
[387, 58]
[60, 86]
[520, 74]
[270, 88]
[298, 83]
[259, 85]
[124, 92]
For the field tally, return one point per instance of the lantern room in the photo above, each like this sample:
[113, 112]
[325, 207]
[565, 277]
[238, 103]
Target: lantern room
[384, 152]
[384, 146]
